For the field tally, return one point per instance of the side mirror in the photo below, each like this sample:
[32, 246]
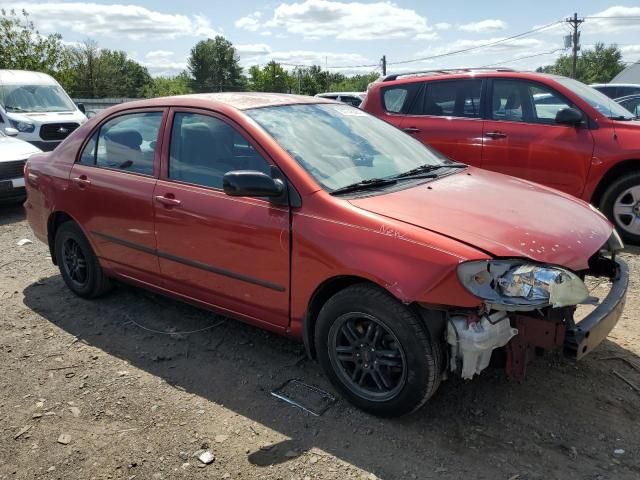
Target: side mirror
[569, 116]
[11, 132]
[251, 183]
[81, 108]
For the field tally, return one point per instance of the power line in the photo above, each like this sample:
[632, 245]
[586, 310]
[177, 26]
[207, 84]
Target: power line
[469, 49]
[523, 58]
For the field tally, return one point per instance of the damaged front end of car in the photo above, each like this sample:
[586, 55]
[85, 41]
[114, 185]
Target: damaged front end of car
[529, 307]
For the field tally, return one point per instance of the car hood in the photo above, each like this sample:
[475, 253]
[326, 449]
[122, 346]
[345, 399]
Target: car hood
[15, 149]
[501, 215]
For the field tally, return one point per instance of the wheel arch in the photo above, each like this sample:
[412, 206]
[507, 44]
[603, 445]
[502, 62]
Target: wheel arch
[322, 293]
[433, 320]
[618, 170]
[54, 221]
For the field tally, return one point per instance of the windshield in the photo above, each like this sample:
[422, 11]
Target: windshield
[341, 145]
[596, 99]
[35, 98]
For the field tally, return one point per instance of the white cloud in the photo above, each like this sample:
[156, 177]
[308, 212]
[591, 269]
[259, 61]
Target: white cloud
[260, 54]
[442, 26]
[613, 20]
[315, 19]
[250, 22]
[129, 21]
[159, 54]
[530, 45]
[630, 53]
[488, 25]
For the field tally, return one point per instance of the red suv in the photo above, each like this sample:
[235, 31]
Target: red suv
[319, 221]
[548, 129]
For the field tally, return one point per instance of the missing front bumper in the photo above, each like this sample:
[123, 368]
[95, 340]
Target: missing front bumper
[595, 327]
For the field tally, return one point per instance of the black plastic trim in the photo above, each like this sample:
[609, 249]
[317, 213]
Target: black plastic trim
[191, 263]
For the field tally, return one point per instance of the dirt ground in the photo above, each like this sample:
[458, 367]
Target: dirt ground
[91, 390]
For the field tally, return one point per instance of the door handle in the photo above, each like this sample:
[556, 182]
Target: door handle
[82, 181]
[495, 135]
[411, 130]
[168, 201]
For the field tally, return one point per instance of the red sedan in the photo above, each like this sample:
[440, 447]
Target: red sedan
[318, 221]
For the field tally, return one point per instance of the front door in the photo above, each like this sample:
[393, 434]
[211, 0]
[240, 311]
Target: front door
[521, 138]
[229, 252]
[113, 182]
[446, 116]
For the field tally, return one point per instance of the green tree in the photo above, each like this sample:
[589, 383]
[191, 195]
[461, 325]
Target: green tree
[99, 73]
[167, 86]
[596, 65]
[271, 78]
[215, 66]
[354, 83]
[22, 47]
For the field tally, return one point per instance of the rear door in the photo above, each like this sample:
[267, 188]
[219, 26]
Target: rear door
[112, 183]
[521, 138]
[446, 115]
[230, 252]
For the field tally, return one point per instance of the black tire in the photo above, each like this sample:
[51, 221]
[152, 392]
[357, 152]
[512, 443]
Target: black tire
[400, 376]
[83, 276]
[612, 195]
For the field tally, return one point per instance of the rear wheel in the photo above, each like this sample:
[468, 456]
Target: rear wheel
[376, 352]
[78, 264]
[621, 204]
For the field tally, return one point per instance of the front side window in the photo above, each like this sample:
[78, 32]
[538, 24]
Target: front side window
[546, 103]
[339, 145]
[127, 142]
[204, 148]
[457, 98]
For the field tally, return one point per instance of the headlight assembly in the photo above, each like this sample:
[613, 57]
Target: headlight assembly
[519, 285]
[24, 127]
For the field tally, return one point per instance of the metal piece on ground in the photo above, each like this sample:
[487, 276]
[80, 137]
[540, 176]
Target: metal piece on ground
[304, 396]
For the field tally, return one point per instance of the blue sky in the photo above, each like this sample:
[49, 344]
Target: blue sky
[340, 34]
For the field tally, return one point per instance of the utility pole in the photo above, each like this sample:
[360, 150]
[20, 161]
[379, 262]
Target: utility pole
[384, 65]
[575, 23]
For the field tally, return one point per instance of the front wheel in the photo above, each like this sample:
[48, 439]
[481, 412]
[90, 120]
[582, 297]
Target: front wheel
[376, 352]
[621, 204]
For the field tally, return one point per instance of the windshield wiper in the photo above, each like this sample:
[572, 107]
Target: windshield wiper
[14, 108]
[427, 168]
[621, 118]
[364, 184]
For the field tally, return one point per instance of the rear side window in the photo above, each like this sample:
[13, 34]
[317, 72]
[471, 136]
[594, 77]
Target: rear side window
[127, 142]
[204, 148]
[398, 98]
[455, 98]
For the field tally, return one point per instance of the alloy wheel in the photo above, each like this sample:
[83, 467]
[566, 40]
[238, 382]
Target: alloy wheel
[367, 356]
[626, 210]
[74, 262]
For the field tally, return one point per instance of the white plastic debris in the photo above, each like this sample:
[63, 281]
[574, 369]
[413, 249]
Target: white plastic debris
[206, 457]
[618, 451]
[23, 242]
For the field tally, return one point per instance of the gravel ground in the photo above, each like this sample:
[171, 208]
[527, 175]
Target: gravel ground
[101, 390]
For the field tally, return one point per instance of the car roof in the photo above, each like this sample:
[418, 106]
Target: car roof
[458, 73]
[615, 85]
[236, 100]
[326, 94]
[25, 77]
